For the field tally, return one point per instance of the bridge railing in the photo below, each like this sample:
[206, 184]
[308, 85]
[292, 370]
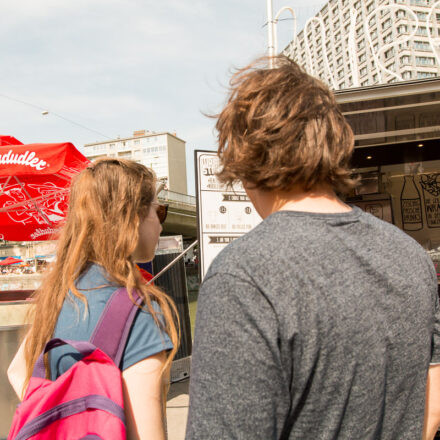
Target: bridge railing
[171, 196]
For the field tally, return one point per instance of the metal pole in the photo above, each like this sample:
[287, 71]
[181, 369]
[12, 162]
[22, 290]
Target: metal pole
[270, 33]
[168, 266]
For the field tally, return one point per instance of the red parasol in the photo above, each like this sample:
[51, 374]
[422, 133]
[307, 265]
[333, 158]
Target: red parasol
[34, 187]
[9, 140]
[10, 260]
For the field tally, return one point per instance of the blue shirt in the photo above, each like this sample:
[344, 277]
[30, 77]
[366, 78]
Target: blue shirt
[144, 340]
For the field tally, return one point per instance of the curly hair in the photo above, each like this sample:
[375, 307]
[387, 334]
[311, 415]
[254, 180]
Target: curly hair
[281, 127]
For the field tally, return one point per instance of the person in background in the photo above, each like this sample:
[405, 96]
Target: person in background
[323, 322]
[114, 220]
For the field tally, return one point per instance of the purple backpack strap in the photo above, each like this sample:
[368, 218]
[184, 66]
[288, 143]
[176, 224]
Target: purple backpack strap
[84, 347]
[111, 332]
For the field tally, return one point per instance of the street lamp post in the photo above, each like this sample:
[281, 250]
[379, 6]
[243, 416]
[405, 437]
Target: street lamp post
[270, 32]
[272, 36]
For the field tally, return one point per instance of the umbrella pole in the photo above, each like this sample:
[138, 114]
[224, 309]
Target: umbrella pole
[34, 203]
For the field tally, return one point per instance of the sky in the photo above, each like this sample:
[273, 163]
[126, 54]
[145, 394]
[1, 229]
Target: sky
[104, 68]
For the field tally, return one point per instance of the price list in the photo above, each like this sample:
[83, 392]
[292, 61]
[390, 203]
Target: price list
[224, 213]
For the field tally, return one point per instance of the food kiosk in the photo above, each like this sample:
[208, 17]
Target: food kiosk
[397, 155]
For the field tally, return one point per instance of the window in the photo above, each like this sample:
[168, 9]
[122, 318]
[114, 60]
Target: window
[421, 30]
[370, 7]
[402, 29]
[389, 53]
[341, 73]
[421, 15]
[400, 13]
[339, 61]
[406, 75]
[391, 67]
[361, 44]
[421, 75]
[386, 24]
[375, 78]
[421, 45]
[406, 59]
[362, 58]
[137, 141]
[364, 83]
[342, 85]
[387, 38]
[363, 71]
[404, 45]
[425, 61]
[372, 21]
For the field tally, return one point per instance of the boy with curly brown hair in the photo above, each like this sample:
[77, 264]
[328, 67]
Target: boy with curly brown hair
[322, 322]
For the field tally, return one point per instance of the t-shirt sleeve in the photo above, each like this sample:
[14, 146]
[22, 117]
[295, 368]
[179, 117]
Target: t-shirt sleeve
[145, 338]
[435, 353]
[236, 387]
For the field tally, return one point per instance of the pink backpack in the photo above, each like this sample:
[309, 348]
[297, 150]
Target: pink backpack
[85, 402]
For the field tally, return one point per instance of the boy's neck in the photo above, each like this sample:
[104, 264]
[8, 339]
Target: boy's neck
[320, 200]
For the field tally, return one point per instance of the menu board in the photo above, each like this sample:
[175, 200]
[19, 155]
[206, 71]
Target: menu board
[223, 214]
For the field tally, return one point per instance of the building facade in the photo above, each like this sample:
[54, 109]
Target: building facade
[163, 152]
[356, 43]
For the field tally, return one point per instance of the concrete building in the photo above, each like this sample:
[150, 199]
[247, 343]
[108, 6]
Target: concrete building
[352, 43]
[163, 152]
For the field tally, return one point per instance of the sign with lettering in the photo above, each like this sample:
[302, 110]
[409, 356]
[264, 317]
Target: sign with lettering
[223, 214]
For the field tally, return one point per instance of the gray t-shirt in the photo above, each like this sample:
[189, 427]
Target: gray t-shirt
[315, 326]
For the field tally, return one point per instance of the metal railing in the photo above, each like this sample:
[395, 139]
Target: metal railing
[171, 196]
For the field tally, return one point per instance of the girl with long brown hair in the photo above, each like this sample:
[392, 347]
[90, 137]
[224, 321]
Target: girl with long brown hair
[113, 221]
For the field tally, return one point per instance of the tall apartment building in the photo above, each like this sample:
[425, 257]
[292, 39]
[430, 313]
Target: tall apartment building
[352, 43]
[163, 152]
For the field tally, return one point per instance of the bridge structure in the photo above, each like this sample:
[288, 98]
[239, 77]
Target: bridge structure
[182, 215]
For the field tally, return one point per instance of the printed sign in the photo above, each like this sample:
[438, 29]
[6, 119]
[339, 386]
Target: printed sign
[430, 184]
[380, 208]
[224, 214]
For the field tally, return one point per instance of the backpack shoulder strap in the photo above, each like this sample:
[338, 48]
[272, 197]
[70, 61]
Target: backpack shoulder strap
[111, 332]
